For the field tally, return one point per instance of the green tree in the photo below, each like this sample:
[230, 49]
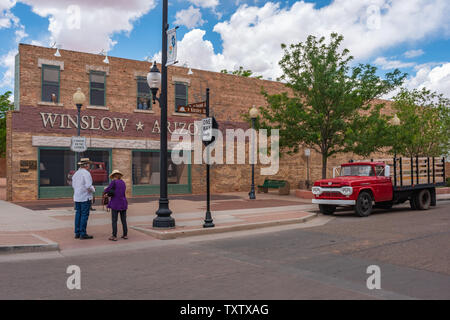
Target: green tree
[424, 128]
[241, 72]
[5, 106]
[329, 108]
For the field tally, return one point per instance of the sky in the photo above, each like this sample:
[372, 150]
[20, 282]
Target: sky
[411, 35]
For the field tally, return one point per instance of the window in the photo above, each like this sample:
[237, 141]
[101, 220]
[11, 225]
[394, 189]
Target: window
[97, 85]
[181, 95]
[146, 169]
[144, 96]
[50, 83]
[57, 166]
[357, 170]
[380, 171]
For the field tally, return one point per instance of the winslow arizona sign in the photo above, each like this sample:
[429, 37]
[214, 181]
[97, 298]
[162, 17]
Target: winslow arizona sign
[101, 123]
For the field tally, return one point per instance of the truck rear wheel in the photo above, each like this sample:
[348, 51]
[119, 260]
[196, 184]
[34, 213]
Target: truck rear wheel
[363, 207]
[327, 209]
[423, 200]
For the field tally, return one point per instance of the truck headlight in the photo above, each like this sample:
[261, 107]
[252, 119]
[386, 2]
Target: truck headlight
[346, 191]
[316, 190]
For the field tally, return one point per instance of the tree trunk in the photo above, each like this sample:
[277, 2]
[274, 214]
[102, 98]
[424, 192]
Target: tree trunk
[324, 166]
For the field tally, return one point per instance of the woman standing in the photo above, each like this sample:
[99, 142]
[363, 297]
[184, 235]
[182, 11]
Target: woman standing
[118, 204]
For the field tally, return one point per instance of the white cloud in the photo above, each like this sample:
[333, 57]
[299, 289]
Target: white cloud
[434, 78]
[252, 36]
[6, 17]
[413, 53]
[190, 18]
[205, 3]
[387, 64]
[8, 61]
[86, 25]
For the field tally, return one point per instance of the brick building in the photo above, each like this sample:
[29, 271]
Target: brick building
[122, 125]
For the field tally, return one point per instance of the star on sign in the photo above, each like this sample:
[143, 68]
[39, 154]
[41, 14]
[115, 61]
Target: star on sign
[139, 126]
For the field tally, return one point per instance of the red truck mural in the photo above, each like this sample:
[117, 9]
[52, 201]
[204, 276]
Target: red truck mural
[98, 172]
[365, 185]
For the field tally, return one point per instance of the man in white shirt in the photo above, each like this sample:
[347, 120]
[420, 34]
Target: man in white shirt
[82, 193]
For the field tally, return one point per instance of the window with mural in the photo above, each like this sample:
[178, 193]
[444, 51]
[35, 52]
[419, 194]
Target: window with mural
[181, 95]
[50, 83]
[57, 166]
[146, 169]
[98, 86]
[144, 96]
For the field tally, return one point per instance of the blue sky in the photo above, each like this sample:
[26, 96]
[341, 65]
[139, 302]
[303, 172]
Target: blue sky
[412, 35]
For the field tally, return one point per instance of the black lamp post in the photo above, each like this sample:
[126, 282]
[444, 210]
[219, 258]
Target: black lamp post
[253, 115]
[155, 80]
[78, 99]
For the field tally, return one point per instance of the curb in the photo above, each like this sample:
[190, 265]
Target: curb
[26, 248]
[168, 235]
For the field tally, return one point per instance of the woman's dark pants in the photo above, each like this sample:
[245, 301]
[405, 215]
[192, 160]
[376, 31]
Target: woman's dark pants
[123, 218]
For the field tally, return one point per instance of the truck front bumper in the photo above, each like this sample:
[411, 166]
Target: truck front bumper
[334, 202]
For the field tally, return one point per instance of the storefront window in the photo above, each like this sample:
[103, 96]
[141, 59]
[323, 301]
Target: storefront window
[146, 170]
[57, 167]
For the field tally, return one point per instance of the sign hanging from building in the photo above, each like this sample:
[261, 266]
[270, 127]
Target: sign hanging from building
[78, 144]
[197, 107]
[171, 47]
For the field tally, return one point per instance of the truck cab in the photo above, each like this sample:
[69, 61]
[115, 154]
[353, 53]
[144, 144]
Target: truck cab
[359, 184]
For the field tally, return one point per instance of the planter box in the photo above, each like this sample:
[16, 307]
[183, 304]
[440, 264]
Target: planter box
[304, 194]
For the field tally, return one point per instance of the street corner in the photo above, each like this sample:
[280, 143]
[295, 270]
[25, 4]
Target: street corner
[25, 242]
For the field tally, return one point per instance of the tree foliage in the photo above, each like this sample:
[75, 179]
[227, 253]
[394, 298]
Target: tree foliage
[5, 106]
[424, 128]
[241, 72]
[329, 108]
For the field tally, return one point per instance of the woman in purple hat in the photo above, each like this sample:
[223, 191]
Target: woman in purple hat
[118, 204]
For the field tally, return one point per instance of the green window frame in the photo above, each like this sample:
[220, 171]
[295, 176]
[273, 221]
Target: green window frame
[180, 96]
[97, 88]
[45, 83]
[142, 95]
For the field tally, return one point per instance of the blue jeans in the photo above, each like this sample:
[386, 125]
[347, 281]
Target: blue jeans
[81, 217]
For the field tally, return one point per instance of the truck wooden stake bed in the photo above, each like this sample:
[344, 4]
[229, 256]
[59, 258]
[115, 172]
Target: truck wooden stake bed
[381, 183]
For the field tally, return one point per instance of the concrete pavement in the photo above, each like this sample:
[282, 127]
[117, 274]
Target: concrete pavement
[326, 260]
[23, 228]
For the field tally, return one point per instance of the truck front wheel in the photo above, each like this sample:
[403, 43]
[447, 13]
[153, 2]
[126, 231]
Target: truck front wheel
[327, 209]
[423, 199]
[363, 207]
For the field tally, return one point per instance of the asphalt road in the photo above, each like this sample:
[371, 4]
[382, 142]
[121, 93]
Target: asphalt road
[411, 248]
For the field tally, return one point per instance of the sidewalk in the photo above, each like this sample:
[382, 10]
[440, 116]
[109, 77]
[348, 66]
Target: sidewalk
[48, 225]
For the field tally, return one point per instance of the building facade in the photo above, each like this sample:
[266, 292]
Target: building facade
[122, 125]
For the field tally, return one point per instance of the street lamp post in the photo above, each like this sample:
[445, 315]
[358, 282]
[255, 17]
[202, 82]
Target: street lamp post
[155, 80]
[396, 122]
[253, 115]
[78, 99]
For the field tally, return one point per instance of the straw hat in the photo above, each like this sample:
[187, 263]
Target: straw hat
[115, 172]
[84, 161]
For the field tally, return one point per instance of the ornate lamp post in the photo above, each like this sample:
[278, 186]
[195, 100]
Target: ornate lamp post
[78, 99]
[253, 115]
[155, 81]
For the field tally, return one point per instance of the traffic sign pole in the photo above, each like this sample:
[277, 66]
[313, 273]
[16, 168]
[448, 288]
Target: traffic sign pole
[208, 218]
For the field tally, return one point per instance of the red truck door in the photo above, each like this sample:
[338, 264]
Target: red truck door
[384, 185]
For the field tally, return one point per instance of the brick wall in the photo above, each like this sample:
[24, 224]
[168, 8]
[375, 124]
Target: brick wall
[231, 96]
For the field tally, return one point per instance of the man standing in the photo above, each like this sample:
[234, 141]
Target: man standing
[82, 191]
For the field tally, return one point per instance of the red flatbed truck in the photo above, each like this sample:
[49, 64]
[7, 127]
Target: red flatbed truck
[383, 183]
